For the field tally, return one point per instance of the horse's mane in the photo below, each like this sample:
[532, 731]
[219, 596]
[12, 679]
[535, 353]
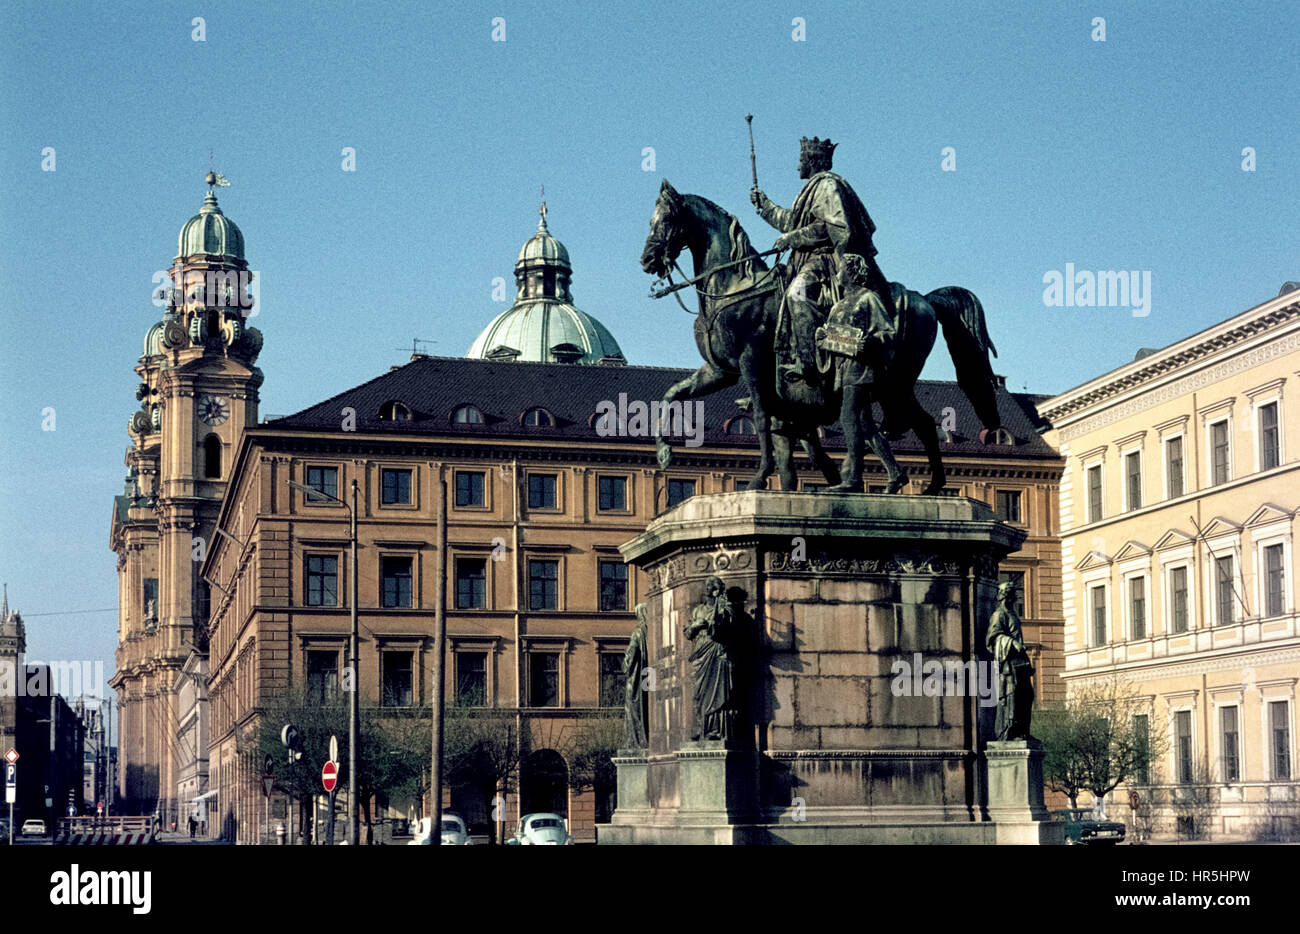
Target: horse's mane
[741, 248]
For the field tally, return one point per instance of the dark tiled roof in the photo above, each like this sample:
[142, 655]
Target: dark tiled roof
[433, 387]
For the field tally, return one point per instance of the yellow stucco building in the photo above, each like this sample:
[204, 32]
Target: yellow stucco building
[1178, 518]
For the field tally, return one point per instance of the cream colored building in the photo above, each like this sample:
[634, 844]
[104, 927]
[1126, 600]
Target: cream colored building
[1178, 522]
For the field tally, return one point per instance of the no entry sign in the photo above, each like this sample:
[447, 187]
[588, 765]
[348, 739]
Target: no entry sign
[329, 775]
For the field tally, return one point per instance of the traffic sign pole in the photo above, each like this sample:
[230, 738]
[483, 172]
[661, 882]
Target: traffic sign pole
[11, 786]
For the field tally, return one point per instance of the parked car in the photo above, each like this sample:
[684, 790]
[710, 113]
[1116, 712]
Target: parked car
[33, 828]
[453, 832]
[1082, 827]
[541, 830]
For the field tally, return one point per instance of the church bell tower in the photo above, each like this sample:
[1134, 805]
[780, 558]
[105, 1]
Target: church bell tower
[197, 392]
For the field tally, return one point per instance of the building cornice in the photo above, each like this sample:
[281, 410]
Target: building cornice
[1281, 314]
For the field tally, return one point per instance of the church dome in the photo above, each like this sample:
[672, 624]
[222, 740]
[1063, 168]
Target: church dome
[210, 232]
[543, 325]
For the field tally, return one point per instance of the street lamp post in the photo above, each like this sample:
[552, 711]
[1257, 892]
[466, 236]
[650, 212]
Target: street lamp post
[354, 713]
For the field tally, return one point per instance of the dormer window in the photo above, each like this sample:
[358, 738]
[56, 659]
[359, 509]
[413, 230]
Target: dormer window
[740, 425]
[394, 412]
[538, 418]
[467, 415]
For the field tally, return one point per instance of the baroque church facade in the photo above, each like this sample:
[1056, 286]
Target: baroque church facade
[197, 392]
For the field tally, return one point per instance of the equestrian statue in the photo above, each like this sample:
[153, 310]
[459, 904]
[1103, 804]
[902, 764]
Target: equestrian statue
[821, 338]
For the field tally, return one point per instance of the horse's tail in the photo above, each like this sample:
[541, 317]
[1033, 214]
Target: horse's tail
[962, 317]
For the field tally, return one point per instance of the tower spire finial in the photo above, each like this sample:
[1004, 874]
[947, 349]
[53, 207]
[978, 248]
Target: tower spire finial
[542, 211]
[4, 612]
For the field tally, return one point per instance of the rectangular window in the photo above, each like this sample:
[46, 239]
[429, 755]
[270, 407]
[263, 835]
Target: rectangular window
[1178, 599]
[150, 598]
[397, 487]
[613, 586]
[471, 583]
[681, 490]
[1174, 466]
[469, 488]
[1142, 739]
[397, 679]
[1137, 603]
[1223, 589]
[1183, 744]
[1007, 505]
[613, 493]
[612, 687]
[1094, 493]
[541, 491]
[1228, 736]
[396, 576]
[323, 480]
[322, 580]
[543, 585]
[322, 677]
[1017, 578]
[1133, 476]
[1219, 453]
[544, 679]
[1281, 734]
[1269, 449]
[1274, 604]
[1099, 616]
[471, 679]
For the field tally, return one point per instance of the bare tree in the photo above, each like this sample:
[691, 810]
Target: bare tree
[1098, 739]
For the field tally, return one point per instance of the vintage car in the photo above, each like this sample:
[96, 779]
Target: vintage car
[1083, 827]
[541, 830]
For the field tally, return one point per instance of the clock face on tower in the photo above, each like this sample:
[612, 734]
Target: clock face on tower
[213, 410]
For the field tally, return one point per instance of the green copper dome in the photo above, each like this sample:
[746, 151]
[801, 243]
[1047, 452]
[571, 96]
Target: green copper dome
[210, 232]
[543, 325]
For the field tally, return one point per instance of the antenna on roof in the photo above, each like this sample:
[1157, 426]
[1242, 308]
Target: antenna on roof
[416, 352]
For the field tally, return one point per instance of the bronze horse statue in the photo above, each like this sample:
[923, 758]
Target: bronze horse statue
[735, 331]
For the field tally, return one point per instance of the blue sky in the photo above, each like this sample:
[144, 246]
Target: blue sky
[1117, 155]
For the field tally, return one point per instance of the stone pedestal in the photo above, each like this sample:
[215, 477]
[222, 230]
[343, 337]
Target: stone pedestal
[863, 684]
[1014, 784]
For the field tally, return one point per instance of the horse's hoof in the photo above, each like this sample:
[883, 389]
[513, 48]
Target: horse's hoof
[846, 486]
[758, 482]
[664, 454]
[894, 486]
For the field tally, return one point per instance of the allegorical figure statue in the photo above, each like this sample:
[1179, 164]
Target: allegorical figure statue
[827, 221]
[715, 631]
[635, 699]
[1006, 644]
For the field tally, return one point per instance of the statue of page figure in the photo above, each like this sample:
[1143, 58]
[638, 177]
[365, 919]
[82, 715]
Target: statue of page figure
[715, 630]
[635, 700]
[1015, 671]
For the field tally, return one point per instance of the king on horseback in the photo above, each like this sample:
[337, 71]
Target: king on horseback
[827, 221]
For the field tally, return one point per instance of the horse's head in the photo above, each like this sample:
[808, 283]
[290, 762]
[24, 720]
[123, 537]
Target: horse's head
[667, 226]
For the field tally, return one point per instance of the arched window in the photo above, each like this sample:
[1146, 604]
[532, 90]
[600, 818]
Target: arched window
[538, 418]
[394, 412]
[212, 456]
[741, 425]
[467, 415]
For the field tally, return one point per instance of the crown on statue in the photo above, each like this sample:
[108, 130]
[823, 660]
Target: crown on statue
[817, 148]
